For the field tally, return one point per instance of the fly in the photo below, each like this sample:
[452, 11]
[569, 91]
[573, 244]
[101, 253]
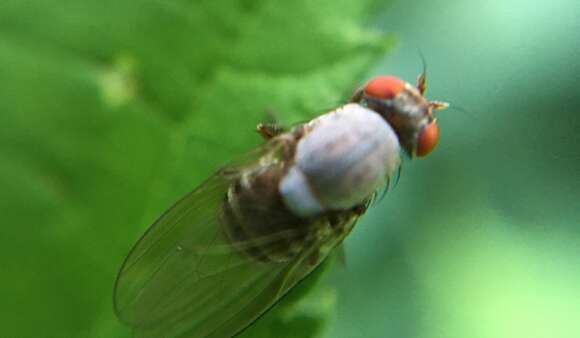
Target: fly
[225, 253]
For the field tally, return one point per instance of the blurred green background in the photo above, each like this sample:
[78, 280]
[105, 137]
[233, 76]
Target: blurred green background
[111, 110]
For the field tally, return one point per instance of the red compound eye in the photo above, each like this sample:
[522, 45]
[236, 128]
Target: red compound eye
[428, 139]
[384, 87]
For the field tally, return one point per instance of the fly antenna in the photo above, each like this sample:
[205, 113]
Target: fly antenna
[422, 78]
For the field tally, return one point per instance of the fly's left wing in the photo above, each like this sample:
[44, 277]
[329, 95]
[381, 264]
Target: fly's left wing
[184, 278]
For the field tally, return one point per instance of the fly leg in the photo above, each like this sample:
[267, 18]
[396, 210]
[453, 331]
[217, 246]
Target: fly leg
[270, 129]
[357, 96]
[360, 209]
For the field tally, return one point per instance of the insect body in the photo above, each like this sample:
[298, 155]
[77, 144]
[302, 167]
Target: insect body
[225, 253]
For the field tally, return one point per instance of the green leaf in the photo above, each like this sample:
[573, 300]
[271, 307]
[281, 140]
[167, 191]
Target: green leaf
[111, 110]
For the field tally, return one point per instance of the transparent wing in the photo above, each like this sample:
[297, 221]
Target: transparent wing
[185, 279]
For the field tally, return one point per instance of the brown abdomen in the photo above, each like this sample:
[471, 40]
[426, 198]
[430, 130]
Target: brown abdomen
[258, 222]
